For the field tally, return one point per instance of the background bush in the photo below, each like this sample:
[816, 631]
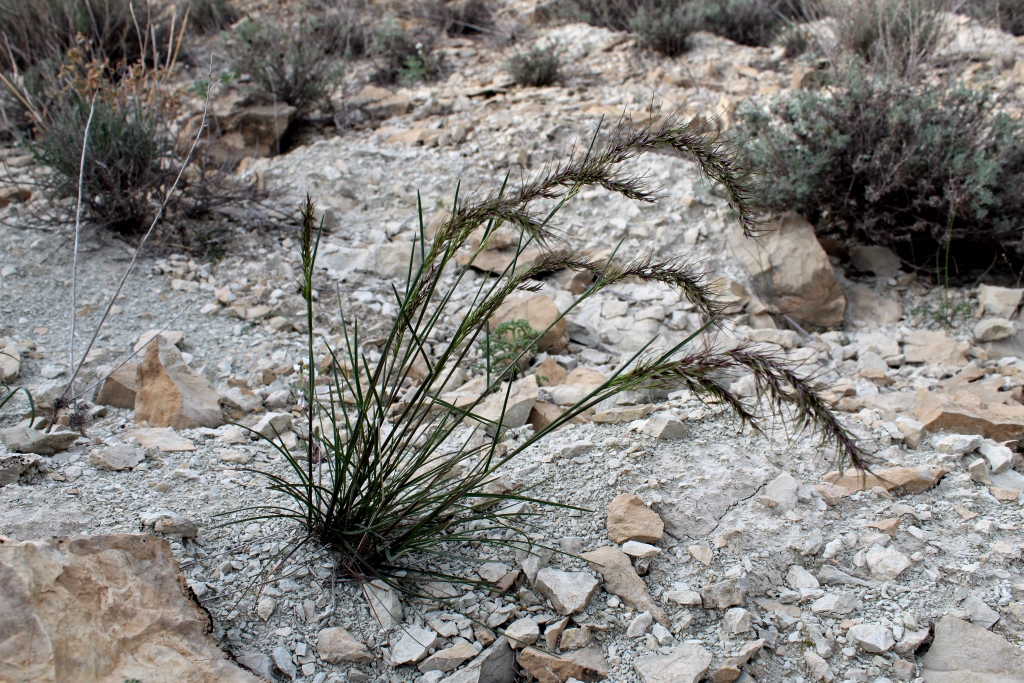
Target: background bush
[877, 160]
[211, 16]
[1006, 14]
[536, 67]
[403, 58]
[665, 25]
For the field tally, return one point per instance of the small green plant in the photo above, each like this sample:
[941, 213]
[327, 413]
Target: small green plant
[747, 22]
[402, 58]
[874, 160]
[393, 475]
[537, 67]
[507, 349]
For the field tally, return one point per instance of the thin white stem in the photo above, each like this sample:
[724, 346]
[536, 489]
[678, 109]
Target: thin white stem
[78, 232]
[152, 226]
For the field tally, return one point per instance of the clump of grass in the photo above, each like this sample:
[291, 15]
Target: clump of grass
[747, 22]
[875, 160]
[536, 67]
[393, 474]
[403, 58]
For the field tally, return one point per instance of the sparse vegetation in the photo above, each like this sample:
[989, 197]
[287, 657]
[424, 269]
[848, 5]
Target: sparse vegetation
[456, 17]
[536, 67]
[507, 349]
[1008, 15]
[300, 65]
[875, 160]
[403, 58]
[211, 16]
[389, 477]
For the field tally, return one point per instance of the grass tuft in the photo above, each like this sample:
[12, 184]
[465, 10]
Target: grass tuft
[536, 67]
[392, 473]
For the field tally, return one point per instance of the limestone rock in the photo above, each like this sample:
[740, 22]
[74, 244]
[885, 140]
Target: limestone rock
[963, 652]
[898, 480]
[521, 398]
[10, 363]
[118, 457]
[935, 348]
[736, 620]
[336, 645]
[540, 312]
[126, 615]
[272, 425]
[149, 335]
[873, 638]
[119, 389]
[886, 563]
[994, 329]
[28, 440]
[641, 551]
[797, 272]
[522, 632]
[163, 438]
[629, 519]
[780, 495]
[685, 664]
[586, 665]
[664, 426]
[171, 394]
[412, 644]
[258, 663]
[569, 592]
[1001, 302]
[449, 658]
[965, 414]
[980, 613]
[728, 593]
[384, 604]
[865, 308]
[621, 579]
[240, 399]
[13, 465]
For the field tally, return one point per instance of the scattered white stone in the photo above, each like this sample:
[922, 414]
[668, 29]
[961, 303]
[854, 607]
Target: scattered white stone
[957, 444]
[639, 625]
[413, 644]
[736, 620]
[799, 578]
[886, 563]
[780, 495]
[522, 632]
[569, 592]
[873, 638]
[640, 550]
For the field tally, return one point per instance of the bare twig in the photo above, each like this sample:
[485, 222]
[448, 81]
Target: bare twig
[78, 232]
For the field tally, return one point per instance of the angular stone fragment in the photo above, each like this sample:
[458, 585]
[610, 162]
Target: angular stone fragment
[10, 363]
[412, 644]
[629, 519]
[664, 426]
[521, 398]
[522, 632]
[999, 301]
[966, 414]
[586, 665]
[898, 480]
[119, 389]
[569, 592]
[873, 638]
[273, 425]
[240, 399]
[728, 593]
[165, 439]
[384, 604]
[449, 658]
[118, 457]
[963, 652]
[621, 579]
[796, 270]
[833, 605]
[171, 394]
[780, 495]
[935, 348]
[110, 607]
[28, 440]
[13, 465]
[685, 664]
[993, 329]
[886, 563]
[639, 550]
[336, 645]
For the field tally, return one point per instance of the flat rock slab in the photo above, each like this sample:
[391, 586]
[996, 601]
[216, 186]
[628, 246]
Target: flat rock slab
[897, 480]
[964, 652]
[107, 608]
[685, 664]
[163, 438]
[28, 440]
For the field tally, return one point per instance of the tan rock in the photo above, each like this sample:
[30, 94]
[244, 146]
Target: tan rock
[966, 414]
[796, 269]
[620, 414]
[935, 348]
[172, 336]
[120, 388]
[543, 414]
[621, 579]
[165, 439]
[540, 312]
[865, 308]
[584, 665]
[897, 480]
[550, 373]
[1001, 302]
[994, 329]
[686, 663]
[104, 608]
[171, 394]
[521, 398]
[336, 645]
[629, 519]
[963, 652]
[831, 493]
[500, 260]
[449, 658]
[10, 363]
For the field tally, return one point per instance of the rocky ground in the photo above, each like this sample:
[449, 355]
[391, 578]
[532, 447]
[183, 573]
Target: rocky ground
[708, 550]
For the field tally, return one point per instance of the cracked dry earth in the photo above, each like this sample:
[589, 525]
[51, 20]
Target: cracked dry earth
[706, 551]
